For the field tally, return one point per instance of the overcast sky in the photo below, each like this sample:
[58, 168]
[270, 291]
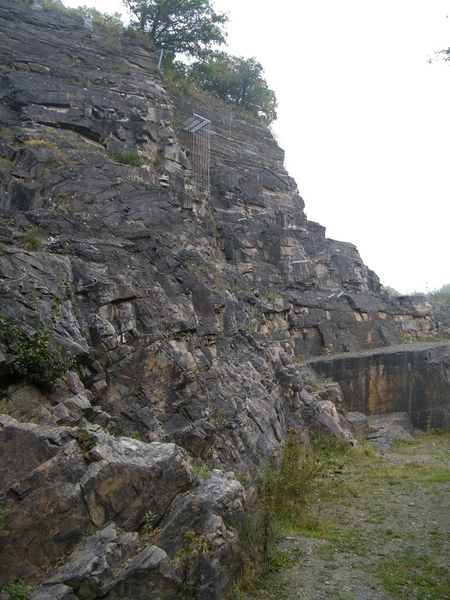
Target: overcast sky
[364, 120]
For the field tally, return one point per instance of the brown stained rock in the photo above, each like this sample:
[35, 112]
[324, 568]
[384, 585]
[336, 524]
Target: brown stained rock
[410, 378]
[47, 516]
[25, 446]
[130, 478]
[58, 495]
[211, 510]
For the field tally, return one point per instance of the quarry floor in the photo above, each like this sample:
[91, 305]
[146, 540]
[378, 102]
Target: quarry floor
[384, 531]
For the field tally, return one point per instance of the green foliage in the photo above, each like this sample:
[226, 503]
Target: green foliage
[85, 440]
[403, 338]
[128, 158]
[112, 23]
[287, 481]
[36, 355]
[329, 448]
[271, 297]
[258, 544]
[17, 591]
[178, 26]
[409, 570]
[313, 385]
[190, 564]
[442, 295]
[149, 523]
[29, 240]
[202, 470]
[109, 22]
[236, 80]
[285, 488]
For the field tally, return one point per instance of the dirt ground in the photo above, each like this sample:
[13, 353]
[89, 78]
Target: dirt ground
[385, 534]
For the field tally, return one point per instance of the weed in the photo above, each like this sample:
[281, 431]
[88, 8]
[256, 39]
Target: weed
[288, 480]
[313, 385]
[8, 134]
[299, 358]
[128, 158]
[330, 448]
[271, 297]
[149, 523]
[258, 315]
[29, 240]
[85, 440]
[36, 355]
[220, 419]
[17, 591]
[202, 470]
[244, 480]
[190, 562]
[50, 146]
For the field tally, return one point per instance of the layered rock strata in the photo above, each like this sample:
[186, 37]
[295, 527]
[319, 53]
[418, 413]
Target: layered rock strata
[188, 315]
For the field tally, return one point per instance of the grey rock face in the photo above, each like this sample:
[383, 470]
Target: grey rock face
[188, 316]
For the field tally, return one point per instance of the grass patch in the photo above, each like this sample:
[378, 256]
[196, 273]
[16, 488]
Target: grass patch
[29, 240]
[314, 385]
[17, 591]
[362, 505]
[412, 575]
[128, 158]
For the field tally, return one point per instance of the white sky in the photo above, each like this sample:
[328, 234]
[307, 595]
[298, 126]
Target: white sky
[363, 118]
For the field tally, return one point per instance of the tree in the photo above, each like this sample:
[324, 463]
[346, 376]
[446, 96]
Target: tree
[179, 26]
[442, 295]
[236, 80]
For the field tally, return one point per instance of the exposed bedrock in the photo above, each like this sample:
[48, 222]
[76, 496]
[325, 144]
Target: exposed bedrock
[414, 379]
[188, 317]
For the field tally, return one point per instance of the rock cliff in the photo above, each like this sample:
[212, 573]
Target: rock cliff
[188, 311]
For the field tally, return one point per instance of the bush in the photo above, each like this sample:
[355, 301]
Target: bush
[17, 591]
[128, 158]
[35, 352]
[441, 296]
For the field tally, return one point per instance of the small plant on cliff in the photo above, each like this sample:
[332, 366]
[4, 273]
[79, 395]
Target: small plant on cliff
[17, 591]
[85, 440]
[287, 480]
[35, 352]
[202, 469]
[190, 562]
[313, 385]
[128, 158]
[149, 523]
[30, 240]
